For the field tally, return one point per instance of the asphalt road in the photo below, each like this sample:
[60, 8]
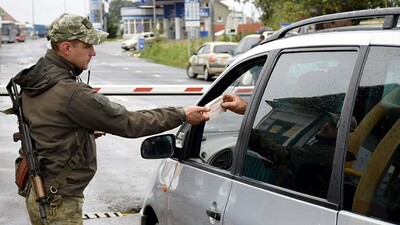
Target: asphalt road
[122, 175]
[111, 65]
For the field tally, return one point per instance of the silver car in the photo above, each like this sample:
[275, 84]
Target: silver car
[210, 59]
[133, 42]
[318, 143]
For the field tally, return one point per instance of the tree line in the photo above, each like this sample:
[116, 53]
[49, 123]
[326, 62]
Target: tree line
[274, 12]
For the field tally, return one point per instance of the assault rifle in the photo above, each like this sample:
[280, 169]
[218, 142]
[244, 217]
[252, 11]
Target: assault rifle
[29, 151]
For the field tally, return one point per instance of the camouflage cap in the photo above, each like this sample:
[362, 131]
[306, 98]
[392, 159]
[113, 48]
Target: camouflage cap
[74, 27]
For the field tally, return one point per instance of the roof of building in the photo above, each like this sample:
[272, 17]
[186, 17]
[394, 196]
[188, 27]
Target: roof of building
[6, 16]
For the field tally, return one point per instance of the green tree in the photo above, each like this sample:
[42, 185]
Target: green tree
[287, 11]
[275, 12]
[320, 7]
[114, 18]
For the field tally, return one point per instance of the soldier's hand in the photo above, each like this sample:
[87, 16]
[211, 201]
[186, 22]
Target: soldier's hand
[197, 114]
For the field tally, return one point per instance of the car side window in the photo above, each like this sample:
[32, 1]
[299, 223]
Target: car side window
[206, 49]
[201, 50]
[293, 137]
[220, 134]
[372, 179]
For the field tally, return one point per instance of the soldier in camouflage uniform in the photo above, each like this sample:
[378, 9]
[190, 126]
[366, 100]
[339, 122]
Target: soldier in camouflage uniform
[63, 115]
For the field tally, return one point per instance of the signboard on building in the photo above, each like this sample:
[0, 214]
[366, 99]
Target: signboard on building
[192, 13]
[95, 13]
[205, 12]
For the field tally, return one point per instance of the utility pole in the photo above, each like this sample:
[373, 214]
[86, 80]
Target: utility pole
[154, 17]
[106, 13]
[33, 20]
[212, 29]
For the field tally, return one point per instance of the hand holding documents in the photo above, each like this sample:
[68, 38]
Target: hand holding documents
[215, 107]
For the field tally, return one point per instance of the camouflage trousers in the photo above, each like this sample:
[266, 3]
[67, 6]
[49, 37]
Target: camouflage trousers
[64, 211]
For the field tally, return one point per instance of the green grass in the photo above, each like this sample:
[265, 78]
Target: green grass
[176, 53]
[169, 52]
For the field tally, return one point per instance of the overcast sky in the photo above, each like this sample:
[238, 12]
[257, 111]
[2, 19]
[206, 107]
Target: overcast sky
[45, 11]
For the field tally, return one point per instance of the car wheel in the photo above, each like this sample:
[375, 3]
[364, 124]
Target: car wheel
[207, 75]
[190, 73]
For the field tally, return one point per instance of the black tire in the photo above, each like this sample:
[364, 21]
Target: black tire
[190, 73]
[207, 75]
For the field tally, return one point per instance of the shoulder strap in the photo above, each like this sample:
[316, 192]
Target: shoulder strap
[64, 173]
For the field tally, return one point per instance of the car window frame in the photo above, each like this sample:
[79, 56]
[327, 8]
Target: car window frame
[334, 200]
[365, 75]
[192, 140]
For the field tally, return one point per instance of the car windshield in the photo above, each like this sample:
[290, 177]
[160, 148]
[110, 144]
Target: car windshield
[224, 48]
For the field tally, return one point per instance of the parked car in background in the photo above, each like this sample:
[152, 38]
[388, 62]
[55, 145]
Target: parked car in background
[132, 43]
[210, 59]
[244, 45]
[267, 33]
[319, 142]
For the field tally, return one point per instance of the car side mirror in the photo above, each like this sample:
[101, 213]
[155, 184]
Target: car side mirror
[158, 147]
[230, 52]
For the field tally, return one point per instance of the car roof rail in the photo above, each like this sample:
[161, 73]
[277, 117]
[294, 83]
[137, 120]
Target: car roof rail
[391, 18]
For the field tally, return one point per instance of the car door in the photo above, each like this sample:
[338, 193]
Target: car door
[201, 182]
[372, 180]
[194, 59]
[284, 162]
[200, 59]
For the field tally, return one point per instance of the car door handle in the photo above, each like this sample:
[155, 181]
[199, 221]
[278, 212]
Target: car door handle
[213, 213]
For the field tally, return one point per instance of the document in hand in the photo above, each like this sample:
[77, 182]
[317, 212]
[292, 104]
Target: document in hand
[215, 107]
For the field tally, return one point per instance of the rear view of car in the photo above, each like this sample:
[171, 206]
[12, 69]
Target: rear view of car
[210, 59]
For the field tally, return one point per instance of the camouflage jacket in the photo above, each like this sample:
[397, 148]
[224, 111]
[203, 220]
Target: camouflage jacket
[62, 113]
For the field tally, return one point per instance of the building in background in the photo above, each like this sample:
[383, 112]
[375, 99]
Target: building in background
[18, 31]
[168, 18]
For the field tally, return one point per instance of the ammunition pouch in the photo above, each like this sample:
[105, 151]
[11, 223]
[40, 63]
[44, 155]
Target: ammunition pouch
[22, 176]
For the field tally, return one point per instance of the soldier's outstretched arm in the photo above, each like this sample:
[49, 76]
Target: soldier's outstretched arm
[196, 114]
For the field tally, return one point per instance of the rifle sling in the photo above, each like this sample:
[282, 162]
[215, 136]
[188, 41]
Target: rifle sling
[64, 173]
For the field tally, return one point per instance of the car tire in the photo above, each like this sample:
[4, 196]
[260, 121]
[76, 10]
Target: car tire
[189, 72]
[207, 75]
